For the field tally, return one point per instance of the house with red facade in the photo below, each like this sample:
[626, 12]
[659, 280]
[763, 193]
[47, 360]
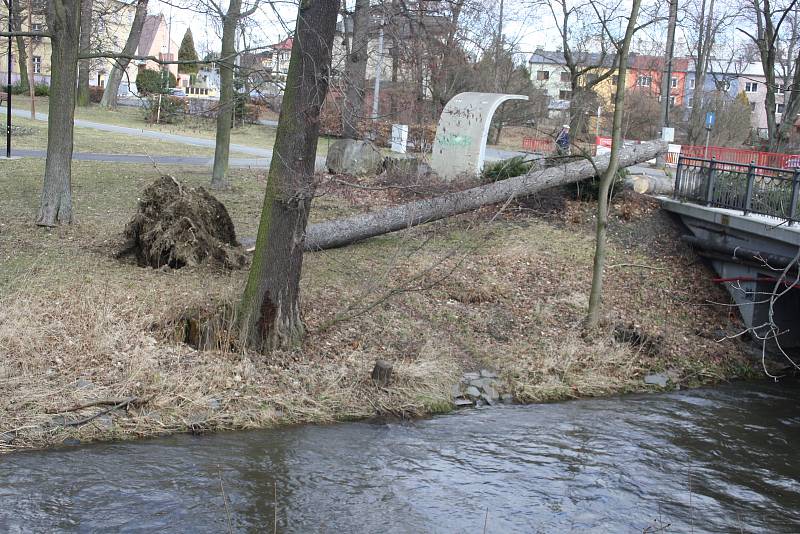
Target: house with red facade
[646, 72]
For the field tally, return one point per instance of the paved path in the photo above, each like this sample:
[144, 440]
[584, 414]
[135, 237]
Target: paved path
[145, 159]
[151, 134]
[492, 154]
[262, 159]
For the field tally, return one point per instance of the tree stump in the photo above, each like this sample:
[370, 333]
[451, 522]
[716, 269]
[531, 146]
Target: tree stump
[382, 372]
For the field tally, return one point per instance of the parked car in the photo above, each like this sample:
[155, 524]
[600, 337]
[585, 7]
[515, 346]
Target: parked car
[175, 91]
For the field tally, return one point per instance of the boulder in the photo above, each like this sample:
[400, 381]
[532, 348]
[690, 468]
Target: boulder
[357, 158]
[656, 380]
[401, 165]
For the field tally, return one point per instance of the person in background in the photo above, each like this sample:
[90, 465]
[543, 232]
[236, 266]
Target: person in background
[562, 141]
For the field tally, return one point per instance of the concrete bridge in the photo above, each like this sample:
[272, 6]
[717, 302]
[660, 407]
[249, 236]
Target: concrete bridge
[744, 220]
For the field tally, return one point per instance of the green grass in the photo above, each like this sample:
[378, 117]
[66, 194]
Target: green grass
[91, 140]
[251, 135]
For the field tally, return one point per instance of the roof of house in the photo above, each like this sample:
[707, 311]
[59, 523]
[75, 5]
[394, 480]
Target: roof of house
[556, 57]
[149, 32]
[656, 63]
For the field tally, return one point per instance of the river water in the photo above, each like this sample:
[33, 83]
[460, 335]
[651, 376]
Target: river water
[708, 460]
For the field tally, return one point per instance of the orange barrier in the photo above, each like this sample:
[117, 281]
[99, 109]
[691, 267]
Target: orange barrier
[743, 156]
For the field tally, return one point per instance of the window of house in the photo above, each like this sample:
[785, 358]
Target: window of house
[752, 106]
[614, 79]
[723, 85]
[564, 95]
[691, 83]
[565, 77]
[543, 75]
[591, 78]
[779, 108]
[644, 81]
[36, 27]
[751, 87]
[37, 64]
[672, 101]
[689, 102]
[674, 83]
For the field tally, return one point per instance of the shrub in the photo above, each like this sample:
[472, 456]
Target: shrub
[42, 89]
[164, 109]
[150, 82]
[589, 189]
[95, 94]
[509, 168]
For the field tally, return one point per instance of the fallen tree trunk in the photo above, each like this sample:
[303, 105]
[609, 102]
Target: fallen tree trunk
[340, 232]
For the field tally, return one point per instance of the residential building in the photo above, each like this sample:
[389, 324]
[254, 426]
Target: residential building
[109, 33]
[549, 72]
[645, 74]
[156, 41]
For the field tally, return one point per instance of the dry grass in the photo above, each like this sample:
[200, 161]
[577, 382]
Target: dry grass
[476, 291]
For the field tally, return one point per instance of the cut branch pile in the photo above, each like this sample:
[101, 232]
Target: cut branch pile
[177, 226]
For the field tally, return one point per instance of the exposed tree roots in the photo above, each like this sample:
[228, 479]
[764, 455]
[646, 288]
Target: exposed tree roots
[177, 226]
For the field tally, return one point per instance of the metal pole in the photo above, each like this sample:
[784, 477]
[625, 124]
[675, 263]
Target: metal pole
[708, 136]
[8, 88]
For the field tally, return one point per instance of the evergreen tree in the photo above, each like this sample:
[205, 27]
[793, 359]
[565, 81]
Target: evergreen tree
[187, 52]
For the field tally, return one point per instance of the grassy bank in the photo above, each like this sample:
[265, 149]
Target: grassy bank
[505, 291]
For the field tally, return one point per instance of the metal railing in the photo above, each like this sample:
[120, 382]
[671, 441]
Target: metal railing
[769, 191]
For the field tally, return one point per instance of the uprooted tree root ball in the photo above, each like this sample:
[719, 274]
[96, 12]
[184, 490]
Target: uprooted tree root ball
[179, 226]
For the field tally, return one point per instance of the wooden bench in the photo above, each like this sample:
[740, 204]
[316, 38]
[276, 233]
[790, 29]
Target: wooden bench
[3, 97]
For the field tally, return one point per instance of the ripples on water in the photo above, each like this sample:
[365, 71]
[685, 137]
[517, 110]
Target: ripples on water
[712, 460]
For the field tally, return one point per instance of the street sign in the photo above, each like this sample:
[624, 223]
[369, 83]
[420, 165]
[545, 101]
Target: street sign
[710, 118]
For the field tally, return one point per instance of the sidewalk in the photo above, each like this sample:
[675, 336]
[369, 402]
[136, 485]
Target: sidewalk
[262, 159]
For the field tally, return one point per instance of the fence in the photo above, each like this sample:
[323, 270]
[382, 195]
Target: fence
[750, 188]
[548, 146]
[743, 156]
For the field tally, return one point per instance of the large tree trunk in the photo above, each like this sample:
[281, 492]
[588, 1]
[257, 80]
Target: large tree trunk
[596, 292]
[109, 99]
[355, 71]
[63, 21]
[704, 45]
[269, 315]
[85, 46]
[340, 232]
[227, 96]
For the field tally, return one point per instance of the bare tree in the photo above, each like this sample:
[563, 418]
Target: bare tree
[269, 314]
[227, 95]
[84, 65]
[623, 49]
[356, 69]
[703, 27]
[110, 94]
[769, 19]
[63, 23]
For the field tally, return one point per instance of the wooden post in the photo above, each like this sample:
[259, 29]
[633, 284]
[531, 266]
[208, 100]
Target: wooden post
[382, 373]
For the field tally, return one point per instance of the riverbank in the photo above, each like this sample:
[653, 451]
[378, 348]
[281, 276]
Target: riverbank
[504, 291]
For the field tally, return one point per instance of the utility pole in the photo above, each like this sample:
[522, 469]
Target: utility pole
[31, 73]
[499, 48]
[666, 80]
